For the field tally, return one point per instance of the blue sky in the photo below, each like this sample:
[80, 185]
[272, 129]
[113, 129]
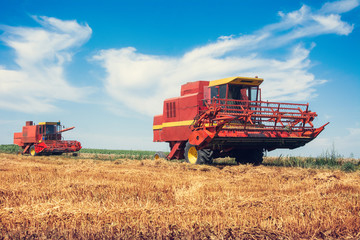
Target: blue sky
[106, 67]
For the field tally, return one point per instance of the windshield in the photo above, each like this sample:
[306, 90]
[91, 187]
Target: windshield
[234, 91]
[239, 92]
[50, 129]
[49, 132]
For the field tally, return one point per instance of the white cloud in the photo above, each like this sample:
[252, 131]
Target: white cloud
[41, 54]
[333, 24]
[339, 6]
[141, 82]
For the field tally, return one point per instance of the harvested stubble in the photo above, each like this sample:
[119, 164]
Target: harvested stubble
[52, 197]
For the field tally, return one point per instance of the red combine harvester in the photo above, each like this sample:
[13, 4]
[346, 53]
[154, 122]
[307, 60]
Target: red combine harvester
[44, 139]
[227, 117]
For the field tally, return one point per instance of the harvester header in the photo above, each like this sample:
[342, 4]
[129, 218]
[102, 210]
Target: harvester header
[227, 117]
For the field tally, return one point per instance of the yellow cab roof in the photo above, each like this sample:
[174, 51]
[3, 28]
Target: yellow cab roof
[237, 80]
[49, 123]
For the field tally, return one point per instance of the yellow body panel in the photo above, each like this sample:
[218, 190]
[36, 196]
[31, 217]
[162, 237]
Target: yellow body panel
[237, 80]
[173, 124]
[157, 127]
[189, 122]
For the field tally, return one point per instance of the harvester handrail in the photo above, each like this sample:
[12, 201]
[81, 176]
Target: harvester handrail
[265, 115]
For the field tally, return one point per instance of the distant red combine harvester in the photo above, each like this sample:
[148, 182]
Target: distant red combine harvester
[227, 117]
[44, 139]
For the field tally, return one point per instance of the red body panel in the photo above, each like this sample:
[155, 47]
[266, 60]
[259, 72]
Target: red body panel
[158, 120]
[177, 110]
[28, 135]
[177, 134]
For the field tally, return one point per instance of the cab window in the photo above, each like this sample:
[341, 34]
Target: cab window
[218, 92]
[234, 92]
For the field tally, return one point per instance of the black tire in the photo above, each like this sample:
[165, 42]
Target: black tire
[239, 156]
[195, 156]
[257, 157]
[207, 155]
[159, 155]
[32, 151]
[248, 156]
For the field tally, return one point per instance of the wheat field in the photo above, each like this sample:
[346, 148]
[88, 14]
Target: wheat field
[58, 197]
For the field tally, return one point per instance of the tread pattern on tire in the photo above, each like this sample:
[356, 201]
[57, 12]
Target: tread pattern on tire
[205, 156]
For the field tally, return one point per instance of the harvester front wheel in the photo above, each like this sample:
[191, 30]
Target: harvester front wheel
[195, 156]
[159, 155]
[32, 151]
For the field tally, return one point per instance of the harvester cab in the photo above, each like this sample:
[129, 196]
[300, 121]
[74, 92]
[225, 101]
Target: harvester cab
[236, 89]
[227, 117]
[50, 130]
[44, 139]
